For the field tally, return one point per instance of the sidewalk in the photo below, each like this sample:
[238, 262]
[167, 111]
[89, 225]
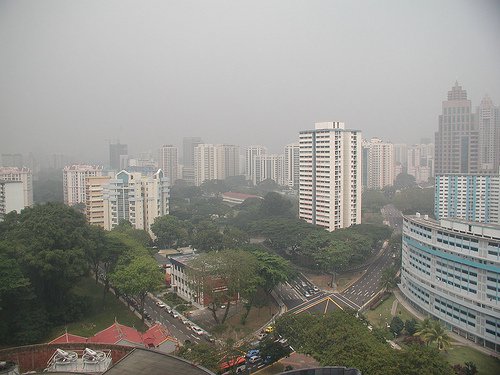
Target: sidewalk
[458, 340]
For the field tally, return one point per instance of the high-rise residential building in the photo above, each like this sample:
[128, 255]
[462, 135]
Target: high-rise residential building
[20, 174]
[488, 124]
[118, 156]
[378, 159]
[74, 177]
[420, 162]
[250, 153]
[94, 199]
[205, 163]
[330, 176]
[457, 137]
[228, 157]
[215, 162]
[137, 198]
[11, 197]
[188, 145]
[12, 160]
[470, 197]
[401, 153]
[451, 271]
[269, 166]
[168, 162]
[291, 165]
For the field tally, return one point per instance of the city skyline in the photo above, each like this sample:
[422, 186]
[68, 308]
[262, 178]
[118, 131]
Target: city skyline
[209, 71]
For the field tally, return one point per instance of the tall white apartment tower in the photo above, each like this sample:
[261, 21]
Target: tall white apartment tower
[250, 153]
[168, 162]
[23, 175]
[291, 165]
[74, 184]
[380, 164]
[330, 176]
[268, 167]
[205, 163]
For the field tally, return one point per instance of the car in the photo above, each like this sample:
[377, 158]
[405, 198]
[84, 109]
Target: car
[269, 329]
[185, 321]
[161, 305]
[197, 330]
[307, 295]
[316, 289]
[261, 335]
[304, 284]
[175, 314]
[254, 358]
[252, 353]
[209, 338]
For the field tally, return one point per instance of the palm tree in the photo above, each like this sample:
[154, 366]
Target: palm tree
[388, 279]
[423, 328]
[433, 331]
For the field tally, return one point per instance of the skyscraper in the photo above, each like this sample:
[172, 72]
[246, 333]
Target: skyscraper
[118, 155]
[168, 162]
[188, 145]
[488, 123]
[330, 176]
[250, 153]
[379, 163]
[291, 165]
[12, 160]
[268, 167]
[457, 136]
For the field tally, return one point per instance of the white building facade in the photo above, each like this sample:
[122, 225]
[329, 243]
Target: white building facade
[11, 197]
[451, 271]
[250, 153]
[137, 198]
[74, 177]
[23, 175]
[379, 164]
[291, 165]
[168, 162]
[470, 197]
[330, 176]
[268, 167]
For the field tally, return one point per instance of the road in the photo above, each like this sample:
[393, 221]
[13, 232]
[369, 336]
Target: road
[293, 293]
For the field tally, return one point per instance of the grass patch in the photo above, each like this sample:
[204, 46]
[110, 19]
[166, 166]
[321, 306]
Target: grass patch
[99, 317]
[486, 364]
[382, 314]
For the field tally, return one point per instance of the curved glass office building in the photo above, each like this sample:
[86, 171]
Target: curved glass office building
[451, 271]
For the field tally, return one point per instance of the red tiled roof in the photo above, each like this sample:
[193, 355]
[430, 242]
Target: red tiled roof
[156, 335]
[115, 333]
[67, 338]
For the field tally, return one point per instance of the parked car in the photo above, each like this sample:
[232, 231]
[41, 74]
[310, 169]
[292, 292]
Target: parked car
[269, 329]
[252, 353]
[316, 289]
[307, 295]
[175, 314]
[254, 358]
[161, 305]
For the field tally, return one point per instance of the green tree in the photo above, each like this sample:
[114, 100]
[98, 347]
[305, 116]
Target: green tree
[388, 279]
[221, 276]
[397, 325]
[404, 181]
[51, 239]
[437, 334]
[233, 238]
[169, 231]
[202, 354]
[138, 278]
[411, 326]
[207, 237]
[274, 204]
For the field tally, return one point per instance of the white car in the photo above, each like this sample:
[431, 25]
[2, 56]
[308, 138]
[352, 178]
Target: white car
[307, 295]
[174, 314]
[160, 305]
[254, 359]
[197, 330]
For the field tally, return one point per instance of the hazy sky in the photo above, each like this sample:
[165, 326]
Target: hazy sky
[75, 73]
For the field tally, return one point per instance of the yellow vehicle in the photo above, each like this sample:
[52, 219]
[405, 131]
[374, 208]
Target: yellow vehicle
[269, 329]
